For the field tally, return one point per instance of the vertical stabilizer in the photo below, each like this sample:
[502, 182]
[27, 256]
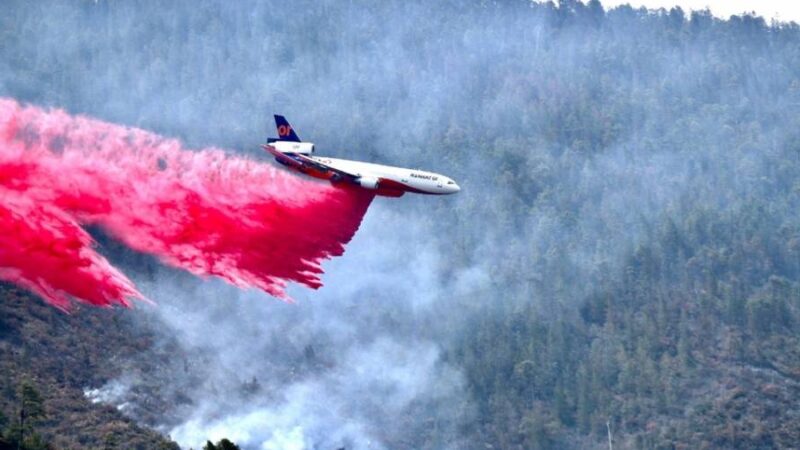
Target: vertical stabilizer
[285, 131]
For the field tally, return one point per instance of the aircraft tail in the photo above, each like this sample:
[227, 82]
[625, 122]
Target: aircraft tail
[285, 131]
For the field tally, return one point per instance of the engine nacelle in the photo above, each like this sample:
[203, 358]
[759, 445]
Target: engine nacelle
[305, 148]
[368, 182]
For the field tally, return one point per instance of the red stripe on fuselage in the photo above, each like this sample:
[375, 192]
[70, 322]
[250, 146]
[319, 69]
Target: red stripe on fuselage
[398, 186]
[386, 187]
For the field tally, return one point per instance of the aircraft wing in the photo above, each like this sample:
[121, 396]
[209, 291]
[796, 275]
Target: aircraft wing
[282, 158]
[300, 160]
[326, 168]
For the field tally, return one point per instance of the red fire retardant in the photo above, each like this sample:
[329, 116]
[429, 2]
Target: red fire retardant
[206, 211]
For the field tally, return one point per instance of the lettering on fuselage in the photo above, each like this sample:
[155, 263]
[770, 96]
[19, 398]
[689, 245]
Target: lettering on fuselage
[424, 177]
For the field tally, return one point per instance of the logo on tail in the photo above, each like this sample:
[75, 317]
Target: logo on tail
[285, 131]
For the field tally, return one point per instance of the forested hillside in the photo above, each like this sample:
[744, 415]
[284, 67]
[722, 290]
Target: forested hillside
[48, 358]
[624, 256]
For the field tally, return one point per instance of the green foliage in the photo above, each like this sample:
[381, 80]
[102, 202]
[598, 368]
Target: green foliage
[766, 314]
[45, 373]
[22, 432]
[223, 444]
[31, 403]
[634, 202]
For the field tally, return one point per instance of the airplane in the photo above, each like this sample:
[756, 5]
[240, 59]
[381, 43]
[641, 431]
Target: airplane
[387, 181]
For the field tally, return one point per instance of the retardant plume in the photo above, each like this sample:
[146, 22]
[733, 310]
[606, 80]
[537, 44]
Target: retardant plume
[204, 211]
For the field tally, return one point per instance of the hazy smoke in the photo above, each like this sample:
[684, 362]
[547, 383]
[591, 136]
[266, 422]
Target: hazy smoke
[530, 108]
[354, 365]
[331, 411]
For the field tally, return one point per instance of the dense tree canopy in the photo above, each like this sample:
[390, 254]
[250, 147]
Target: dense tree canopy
[630, 182]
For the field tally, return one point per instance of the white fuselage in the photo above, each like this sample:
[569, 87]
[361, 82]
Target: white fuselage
[408, 180]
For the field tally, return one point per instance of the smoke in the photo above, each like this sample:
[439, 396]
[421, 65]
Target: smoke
[508, 98]
[356, 364]
[331, 411]
[205, 212]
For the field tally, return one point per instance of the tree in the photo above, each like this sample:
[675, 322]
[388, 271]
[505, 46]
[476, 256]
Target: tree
[223, 444]
[766, 314]
[31, 412]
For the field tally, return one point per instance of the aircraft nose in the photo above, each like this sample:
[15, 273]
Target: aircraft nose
[455, 188]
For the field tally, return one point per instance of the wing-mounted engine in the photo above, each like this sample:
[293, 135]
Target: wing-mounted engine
[368, 182]
[305, 148]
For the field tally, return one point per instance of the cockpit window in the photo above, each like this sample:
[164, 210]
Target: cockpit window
[450, 182]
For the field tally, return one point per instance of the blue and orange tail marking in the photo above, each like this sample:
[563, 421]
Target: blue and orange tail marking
[285, 131]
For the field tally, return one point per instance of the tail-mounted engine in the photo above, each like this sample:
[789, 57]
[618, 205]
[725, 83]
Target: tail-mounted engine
[305, 148]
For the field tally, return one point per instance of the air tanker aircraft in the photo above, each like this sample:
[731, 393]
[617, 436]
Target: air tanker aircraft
[388, 181]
